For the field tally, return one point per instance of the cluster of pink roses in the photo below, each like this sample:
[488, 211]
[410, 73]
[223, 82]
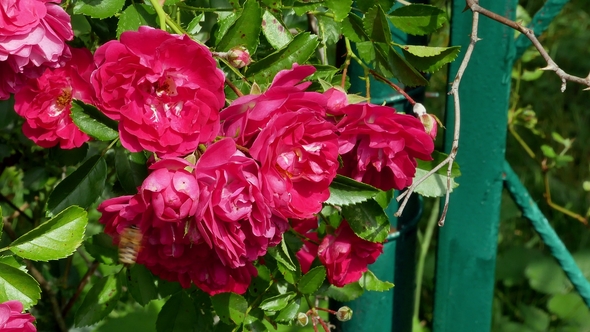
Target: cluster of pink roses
[262, 163]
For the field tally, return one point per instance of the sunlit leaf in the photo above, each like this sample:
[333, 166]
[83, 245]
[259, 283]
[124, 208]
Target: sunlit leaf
[368, 220]
[16, 284]
[370, 282]
[245, 30]
[98, 8]
[54, 239]
[312, 280]
[230, 307]
[418, 19]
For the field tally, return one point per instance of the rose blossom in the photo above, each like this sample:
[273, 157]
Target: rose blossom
[245, 117]
[238, 221]
[46, 102]
[32, 38]
[346, 256]
[205, 230]
[298, 153]
[165, 90]
[12, 318]
[380, 147]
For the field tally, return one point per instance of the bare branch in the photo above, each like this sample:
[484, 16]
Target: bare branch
[455, 145]
[530, 34]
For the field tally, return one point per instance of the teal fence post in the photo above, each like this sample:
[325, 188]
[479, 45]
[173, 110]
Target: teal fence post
[467, 244]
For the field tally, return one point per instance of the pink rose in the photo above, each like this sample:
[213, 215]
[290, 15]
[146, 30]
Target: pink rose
[346, 256]
[245, 117]
[165, 90]
[12, 318]
[238, 222]
[46, 102]
[32, 38]
[380, 147]
[298, 153]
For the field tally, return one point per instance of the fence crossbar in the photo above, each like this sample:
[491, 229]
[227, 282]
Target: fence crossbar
[531, 211]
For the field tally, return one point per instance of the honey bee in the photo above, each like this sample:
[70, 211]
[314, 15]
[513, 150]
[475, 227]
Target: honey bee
[130, 245]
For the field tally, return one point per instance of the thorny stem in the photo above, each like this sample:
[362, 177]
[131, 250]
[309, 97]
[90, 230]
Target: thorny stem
[346, 63]
[393, 86]
[530, 34]
[233, 87]
[455, 145]
[559, 207]
[303, 237]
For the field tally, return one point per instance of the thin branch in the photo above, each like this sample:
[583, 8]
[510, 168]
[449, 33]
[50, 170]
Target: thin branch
[455, 145]
[81, 286]
[18, 210]
[530, 34]
[52, 299]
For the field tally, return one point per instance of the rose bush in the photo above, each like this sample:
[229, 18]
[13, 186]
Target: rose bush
[46, 102]
[165, 102]
[32, 39]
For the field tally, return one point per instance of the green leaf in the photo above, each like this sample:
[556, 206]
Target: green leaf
[390, 63]
[225, 21]
[54, 239]
[81, 188]
[80, 25]
[276, 303]
[570, 307]
[98, 8]
[289, 312]
[245, 30]
[230, 307]
[275, 31]
[141, 284]
[548, 151]
[16, 284]
[329, 30]
[101, 248]
[340, 8]
[68, 157]
[281, 254]
[547, 277]
[370, 282]
[100, 301]
[437, 158]
[302, 8]
[345, 294]
[347, 191]
[135, 16]
[312, 280]
[435, 185]
[533, 317]
[131, 169]
[376, 25]
[430, 59]
[367, 220]
[194, 26]
[418, 19]
[352, 28]
[366, 5]
[93, 122]
[177, 315]
[297, 51]
[35, 178]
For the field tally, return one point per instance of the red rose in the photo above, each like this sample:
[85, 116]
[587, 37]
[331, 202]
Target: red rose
[380, 147]
[298, 153]
[346, 256]
[46, 102]
[245, 117]
[165, 90]
[32, 39]
[238, 222]
[12, 318]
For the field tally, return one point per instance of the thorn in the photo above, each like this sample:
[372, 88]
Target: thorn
[466, 8]
[548, 67]
[563, 85]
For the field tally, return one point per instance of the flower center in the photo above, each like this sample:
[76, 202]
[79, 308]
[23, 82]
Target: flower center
[61, 102]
